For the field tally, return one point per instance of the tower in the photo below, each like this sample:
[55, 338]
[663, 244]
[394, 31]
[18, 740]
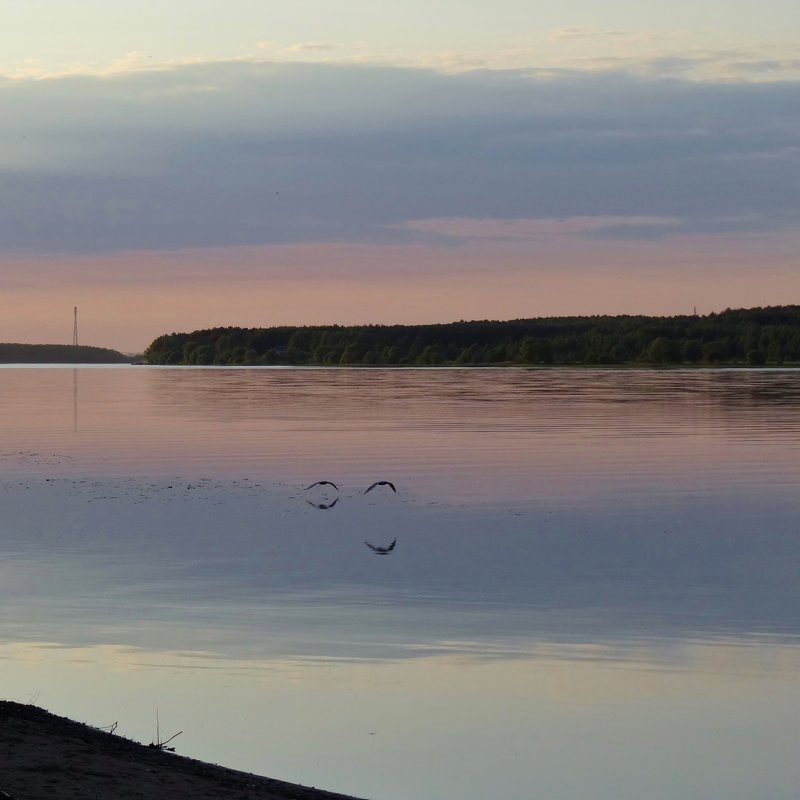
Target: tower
[75, 329]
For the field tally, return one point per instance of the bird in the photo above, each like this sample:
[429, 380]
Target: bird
[322, 483]
[381, 483]
[381, 551]
[323, 506]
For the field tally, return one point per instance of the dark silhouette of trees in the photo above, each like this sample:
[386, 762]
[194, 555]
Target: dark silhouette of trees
[754, 336]
[59, 354]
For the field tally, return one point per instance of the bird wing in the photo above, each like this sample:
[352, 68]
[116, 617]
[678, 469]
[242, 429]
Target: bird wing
[372, 547]
[322, 483]
[391, 546]
[381, 483]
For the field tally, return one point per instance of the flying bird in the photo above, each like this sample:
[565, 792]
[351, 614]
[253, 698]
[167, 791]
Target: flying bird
[381, 483]
[381, 551]
[322, 483]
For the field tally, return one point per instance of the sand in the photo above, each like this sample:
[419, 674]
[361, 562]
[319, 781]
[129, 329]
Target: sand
[43, 756]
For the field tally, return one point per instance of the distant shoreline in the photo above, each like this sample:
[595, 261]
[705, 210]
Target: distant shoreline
[785, 367]
[17, 353]
[753, 337]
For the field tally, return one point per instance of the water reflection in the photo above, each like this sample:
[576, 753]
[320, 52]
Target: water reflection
[75, 401]
[565, 552]
[482, 436]
[720, 722]
[214, 554]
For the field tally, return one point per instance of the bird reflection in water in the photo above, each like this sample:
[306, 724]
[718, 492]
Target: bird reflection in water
[323, 506]
[381, 551]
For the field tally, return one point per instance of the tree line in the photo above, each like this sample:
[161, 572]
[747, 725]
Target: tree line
[58, 354]
[755, 337]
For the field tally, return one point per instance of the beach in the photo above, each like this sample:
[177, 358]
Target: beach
[47, 756]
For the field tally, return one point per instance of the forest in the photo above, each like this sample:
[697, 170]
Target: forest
[58, 354]
[755, 337]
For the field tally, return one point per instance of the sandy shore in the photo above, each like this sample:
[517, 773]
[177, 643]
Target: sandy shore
[46, 757]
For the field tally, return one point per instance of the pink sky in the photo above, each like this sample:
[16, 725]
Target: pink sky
[125, 300]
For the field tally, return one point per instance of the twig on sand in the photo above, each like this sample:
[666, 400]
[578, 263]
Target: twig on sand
[106, 728]
[158, 744]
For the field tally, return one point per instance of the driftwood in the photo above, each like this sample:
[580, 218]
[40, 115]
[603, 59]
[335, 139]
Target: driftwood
[160, 744]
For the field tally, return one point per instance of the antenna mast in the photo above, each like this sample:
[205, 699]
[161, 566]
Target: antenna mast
[75, 329]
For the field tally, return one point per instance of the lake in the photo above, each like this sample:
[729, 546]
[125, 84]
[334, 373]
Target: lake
[593, 592]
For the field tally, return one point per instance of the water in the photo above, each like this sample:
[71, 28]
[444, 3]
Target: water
[593, 593]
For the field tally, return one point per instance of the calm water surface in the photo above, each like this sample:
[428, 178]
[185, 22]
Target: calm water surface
[593, 594]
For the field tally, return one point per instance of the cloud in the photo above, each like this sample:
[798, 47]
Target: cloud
[682, 54]
[297, 50]
[584, 33]
[538, 230]
[723, 65]
[245, 153]
[304, 47]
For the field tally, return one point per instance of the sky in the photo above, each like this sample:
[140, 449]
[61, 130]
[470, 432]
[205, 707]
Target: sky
[168, 166]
